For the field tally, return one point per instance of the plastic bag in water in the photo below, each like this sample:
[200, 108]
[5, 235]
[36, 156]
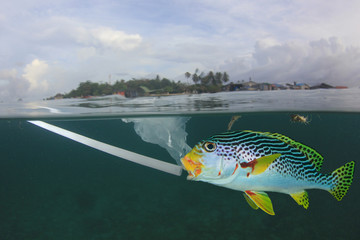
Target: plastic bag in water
[167, 132]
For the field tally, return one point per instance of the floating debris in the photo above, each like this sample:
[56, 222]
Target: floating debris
[299, 118]
[232, 121]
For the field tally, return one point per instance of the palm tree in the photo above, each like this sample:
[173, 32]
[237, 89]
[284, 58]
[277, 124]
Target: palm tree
[195, 78]
[218, 77]
[187, 75]
[225, 77]
[205, 80]
[211, 77]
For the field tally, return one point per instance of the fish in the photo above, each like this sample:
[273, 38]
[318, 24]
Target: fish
[259, 162]
[299, 118]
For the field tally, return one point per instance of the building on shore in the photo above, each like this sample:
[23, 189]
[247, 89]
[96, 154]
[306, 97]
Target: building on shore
[254, 86]
[298, 86]
[250, 86]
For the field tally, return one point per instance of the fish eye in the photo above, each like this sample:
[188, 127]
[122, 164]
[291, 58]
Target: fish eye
[209, 146]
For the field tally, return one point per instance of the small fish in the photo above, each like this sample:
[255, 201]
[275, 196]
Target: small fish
[232, 121]
[299, 118]
[256, 162]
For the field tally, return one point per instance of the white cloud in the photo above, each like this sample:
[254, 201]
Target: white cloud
[323, 19]
[56, 53]
[267, 42]
[11, 85]
[102, 37]
[54, 46]
[35, 72]
[325, 60]
[114, 39]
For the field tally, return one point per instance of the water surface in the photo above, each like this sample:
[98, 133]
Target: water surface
[54, 188]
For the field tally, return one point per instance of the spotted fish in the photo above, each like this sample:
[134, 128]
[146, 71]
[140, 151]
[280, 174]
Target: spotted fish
[257, 162]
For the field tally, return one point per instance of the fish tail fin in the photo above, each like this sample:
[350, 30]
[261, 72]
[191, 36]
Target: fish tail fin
[341, 180]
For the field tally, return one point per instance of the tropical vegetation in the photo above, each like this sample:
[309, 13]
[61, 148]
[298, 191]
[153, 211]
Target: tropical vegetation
[210, 82]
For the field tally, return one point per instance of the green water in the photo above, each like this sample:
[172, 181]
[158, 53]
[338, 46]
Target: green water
[55, 188]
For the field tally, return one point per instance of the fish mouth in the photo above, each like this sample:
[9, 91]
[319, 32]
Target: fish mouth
[191, 163]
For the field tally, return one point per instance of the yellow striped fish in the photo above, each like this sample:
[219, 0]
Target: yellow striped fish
[256, 162]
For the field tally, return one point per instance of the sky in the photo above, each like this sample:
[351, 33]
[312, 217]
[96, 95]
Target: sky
[49, 47]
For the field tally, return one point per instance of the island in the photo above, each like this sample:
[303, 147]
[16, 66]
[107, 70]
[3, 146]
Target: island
[195, 83]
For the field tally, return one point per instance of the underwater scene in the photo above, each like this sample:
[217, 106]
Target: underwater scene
[52, 187]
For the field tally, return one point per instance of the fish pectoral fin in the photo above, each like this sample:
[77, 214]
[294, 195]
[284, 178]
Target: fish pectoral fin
[262, 200]
[301, 198]
[261, 164]
[251, 202]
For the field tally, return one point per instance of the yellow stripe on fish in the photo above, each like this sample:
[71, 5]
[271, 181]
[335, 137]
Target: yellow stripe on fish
[256, 162]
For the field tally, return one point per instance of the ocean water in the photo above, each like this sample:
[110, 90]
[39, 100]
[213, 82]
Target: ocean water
[54, 188]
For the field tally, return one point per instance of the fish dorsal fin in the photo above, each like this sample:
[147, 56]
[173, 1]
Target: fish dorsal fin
[262, 200]
[261, 164]
[250, 202]
[301, 198]
[315, 158]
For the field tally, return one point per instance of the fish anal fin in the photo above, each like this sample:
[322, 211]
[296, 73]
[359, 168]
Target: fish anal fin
[262, 200]
[261, 164]
[302, 198]
[250, 202]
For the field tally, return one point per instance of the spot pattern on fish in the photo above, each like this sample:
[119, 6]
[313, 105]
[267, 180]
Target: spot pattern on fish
[255, 162]
[296, 160]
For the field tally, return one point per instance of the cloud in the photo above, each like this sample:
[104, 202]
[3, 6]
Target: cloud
[11, 85]
[56, 45]
[115, 39]
[35, 73]
[319, 19]
[54, 53]
[86, 53]
[59, 38]
[31, 81]
[325, 60]
[101, 37]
